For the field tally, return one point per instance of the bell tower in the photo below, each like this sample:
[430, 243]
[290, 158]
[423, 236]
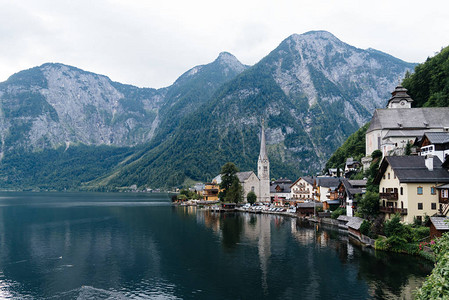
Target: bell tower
[263, 170]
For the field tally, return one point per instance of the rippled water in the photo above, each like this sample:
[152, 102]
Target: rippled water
[136, 246]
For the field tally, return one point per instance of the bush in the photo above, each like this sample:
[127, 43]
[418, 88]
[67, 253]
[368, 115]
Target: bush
[251, 197]
[436, 285]
[394, 227]
[338, 212]
[418, 234]
[365, 228]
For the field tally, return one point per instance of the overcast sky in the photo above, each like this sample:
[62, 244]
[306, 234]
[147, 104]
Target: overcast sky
[151, 43]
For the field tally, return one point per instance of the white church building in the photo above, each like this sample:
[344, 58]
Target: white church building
[259, 184]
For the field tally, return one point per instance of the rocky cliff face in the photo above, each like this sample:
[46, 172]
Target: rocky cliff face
[55, 104]
[313, 91]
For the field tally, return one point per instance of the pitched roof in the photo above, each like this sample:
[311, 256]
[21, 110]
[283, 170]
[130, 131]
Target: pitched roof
[413, 169]
[308, 179]
[410, 118]
[440, 223]
[328, 181]
[438, 137]
[444, 186]
[354, 223]
[358, 183]
[244, 175]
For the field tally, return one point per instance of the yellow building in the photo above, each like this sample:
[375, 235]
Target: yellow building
[210, 192]
[407, 185]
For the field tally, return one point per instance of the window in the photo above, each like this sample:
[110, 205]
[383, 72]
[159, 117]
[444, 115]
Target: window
[434, 205]
[433, 190]
[444, 193]
[402, 191]
[420, 205]
[394, 175]
[252, 189]
[419, 218]
[388, 175]
[419, 190]
[383, 176]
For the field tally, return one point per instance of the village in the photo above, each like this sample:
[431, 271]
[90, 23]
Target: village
[407, 152]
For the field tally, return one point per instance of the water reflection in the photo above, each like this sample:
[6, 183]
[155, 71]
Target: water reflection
[156, 251]
[382, 275]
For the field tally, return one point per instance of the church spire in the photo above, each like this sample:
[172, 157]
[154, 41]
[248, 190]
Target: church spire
[263, 151]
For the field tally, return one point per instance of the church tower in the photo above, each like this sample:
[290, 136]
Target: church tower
[263, 170]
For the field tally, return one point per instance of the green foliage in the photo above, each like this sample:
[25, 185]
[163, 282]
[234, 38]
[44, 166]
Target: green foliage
[368, 206]
[188, 194]
[429, 84]
[394, 227]
[235, 192]
[338, 212]
[251, 197]
[59, 169]
[365, 228]
[354, 147]
[436, 285]
[232, 189]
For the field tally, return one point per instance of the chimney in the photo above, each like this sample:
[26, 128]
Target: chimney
[429, 162]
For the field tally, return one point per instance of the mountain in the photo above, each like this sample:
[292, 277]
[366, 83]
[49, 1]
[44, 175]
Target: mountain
[313, 91]
[62, 110]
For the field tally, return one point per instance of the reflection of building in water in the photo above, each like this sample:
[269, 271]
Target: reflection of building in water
[304, 236]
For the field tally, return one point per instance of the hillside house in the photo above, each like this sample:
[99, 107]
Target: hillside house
[408, 186]
[434, 143]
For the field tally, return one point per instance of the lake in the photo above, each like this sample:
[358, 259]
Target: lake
[137, 246]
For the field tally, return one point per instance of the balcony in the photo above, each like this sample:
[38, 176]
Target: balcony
[393, 210]
[389, 196]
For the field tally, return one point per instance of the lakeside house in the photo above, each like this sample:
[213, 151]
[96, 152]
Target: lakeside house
[408, 186]
[280, 190]
[302, 189]
[250, 183]
[346, 193]
[323, 187]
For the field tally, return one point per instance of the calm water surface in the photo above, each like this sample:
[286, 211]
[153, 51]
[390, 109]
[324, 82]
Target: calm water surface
[121, 246]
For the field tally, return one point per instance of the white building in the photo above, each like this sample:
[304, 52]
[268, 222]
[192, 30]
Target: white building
[393, 127]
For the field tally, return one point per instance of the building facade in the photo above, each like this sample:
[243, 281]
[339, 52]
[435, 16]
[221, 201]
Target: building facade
[408, 186]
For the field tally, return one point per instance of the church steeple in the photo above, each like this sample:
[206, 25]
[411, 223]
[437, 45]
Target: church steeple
[263, 151]
[263, 169]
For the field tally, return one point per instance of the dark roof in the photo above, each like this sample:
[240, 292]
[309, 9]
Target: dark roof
[357, 183]
[308, 179]
[354, 223]
[413, 169]
[440, 223]
[309, 204]
[285, 187]
[437, 137]
[283, 180]
[400, 93]
[328, 181]
[410, 118]
[244, 175]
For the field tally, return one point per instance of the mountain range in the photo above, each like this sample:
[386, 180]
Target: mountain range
[65, 128]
